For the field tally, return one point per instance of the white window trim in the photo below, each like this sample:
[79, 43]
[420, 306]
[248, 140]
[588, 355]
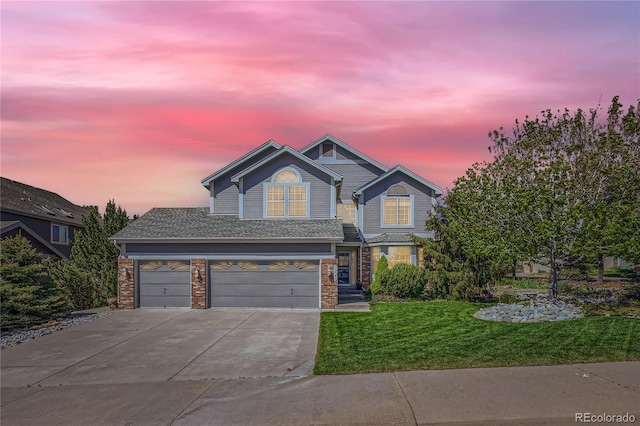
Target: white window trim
[66, 243]
[286, 186]
[412, 210]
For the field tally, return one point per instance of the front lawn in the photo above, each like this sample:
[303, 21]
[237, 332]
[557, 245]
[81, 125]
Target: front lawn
[439, 335]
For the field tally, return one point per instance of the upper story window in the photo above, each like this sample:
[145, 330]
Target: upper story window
[347, 212]
[59, 234]
[286, 195]
[397, 208]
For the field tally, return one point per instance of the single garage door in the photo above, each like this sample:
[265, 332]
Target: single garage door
[164, 284]
[265, 284]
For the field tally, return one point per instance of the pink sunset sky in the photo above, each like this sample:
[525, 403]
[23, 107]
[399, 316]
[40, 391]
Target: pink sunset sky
[139, 101]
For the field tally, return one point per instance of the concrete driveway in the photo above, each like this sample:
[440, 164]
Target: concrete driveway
[252, 367]
[149, 345]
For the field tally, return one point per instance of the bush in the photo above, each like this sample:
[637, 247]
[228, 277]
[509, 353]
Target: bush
[508, 298]
[382, 268]
[406, 281]
[26, 298]
[76, 284]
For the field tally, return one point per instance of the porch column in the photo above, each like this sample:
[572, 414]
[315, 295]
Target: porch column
[329, 283]
[366, 267]
[126, 284]
[198, 284]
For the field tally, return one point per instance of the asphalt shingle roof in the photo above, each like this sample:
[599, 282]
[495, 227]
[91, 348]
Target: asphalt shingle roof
[391, 238]
[198, 224]
[23, 198]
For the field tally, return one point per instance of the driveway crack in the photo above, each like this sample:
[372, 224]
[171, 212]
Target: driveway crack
[415, 420]
[608, 380]
[212, 345]
[110, 347]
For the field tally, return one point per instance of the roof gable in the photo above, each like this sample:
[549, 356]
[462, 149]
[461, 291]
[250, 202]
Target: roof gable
[348, 148]
[404, 171]
[267, 145]
[282, 151]
[30, 201]
[8, 226]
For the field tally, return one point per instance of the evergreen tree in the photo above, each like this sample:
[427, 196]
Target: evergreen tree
[94, 254]
[26, 298]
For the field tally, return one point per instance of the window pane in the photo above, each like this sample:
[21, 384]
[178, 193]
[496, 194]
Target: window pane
[390, 211]
[399, 254]
[275, 201]
[347, 212]
[375, 257]
[64, 238]
[286, 176]
[297, 201]
[404, 211]
[56, 233]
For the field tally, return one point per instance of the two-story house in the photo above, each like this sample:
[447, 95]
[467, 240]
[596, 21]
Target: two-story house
[284, 228]
[46, 219]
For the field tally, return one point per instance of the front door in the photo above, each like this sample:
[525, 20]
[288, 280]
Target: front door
[344, 261]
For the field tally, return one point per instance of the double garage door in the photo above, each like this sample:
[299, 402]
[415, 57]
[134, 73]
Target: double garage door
[269, 284]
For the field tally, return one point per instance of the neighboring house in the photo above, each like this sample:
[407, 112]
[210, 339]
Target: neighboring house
[283, 228]
[46, 219]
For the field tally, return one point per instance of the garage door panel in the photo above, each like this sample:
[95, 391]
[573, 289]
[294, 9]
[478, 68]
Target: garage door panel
[281, 290]
[165, 302]
[164, 284]
[264, 283]
[154, 289]
[266, 302]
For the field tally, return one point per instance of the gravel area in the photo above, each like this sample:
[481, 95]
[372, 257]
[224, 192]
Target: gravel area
[15, 337]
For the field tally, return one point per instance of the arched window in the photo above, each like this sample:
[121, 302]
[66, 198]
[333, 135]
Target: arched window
[286, 195]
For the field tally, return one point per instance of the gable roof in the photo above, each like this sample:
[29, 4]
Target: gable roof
[338, 142]
[9, 225]
[268, 144]
[287, 150]
[196, 224]
[30, 201]
[404, 171]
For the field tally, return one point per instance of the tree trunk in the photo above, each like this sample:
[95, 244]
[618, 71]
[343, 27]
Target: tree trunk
[600, 269]
[553, 288]
[515, 266]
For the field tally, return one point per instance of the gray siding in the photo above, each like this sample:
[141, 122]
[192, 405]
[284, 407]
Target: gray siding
[372, 200]
[228, 249]
[319, 192]
[225, 196]
[225, 193]
[43, 229]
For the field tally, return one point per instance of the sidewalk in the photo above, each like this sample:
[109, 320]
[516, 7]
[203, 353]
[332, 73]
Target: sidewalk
[550, 395]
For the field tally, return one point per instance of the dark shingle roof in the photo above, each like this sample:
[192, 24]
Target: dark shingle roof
[391, 238]
[198, 224]
[26, 199]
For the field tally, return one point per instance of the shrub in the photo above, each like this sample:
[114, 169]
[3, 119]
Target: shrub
[406, 281]
[382, 268]
[76, 283]
[26, 298]
[508, 298]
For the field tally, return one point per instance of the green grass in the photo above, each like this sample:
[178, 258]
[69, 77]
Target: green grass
[441, 335]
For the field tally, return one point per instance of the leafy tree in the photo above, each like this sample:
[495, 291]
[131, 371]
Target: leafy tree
[26, 298]
[563, 189]
[94, 254]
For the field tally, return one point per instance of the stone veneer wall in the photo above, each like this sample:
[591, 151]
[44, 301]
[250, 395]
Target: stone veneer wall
[126, 284]
[198, 284]
[329, 283]
[366, 267]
